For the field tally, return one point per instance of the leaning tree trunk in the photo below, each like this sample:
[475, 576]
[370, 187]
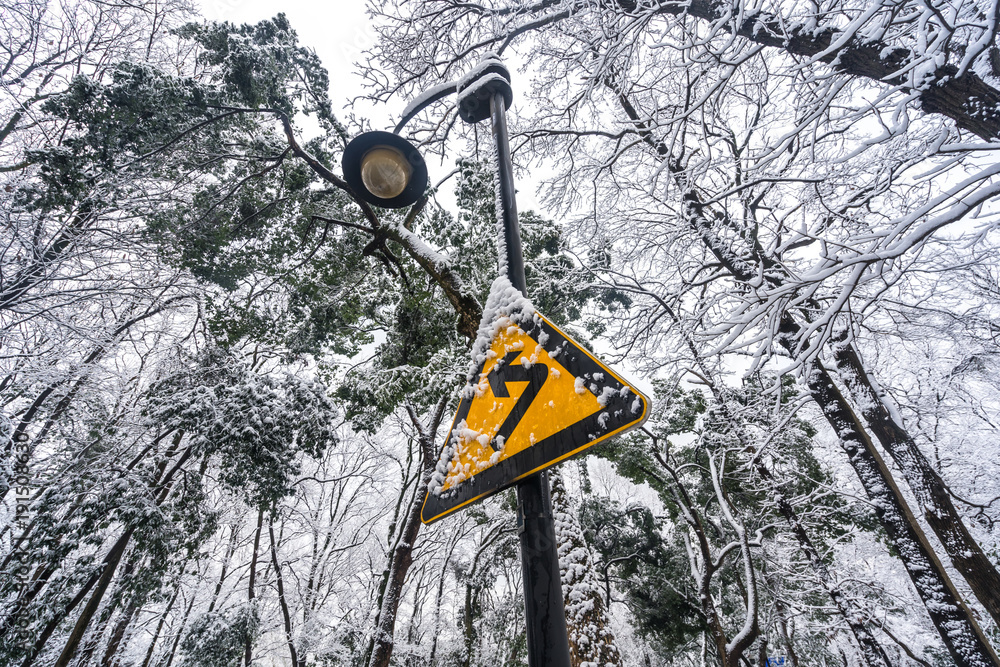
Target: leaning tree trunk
[118, 634]
[401, 560]
[102, 579]
[950, 615]
[180, 631]
[928, 487]
[872, 652]
[111, 562]
[286, 615]
[159, 627]
[251, 585]
[44, 574]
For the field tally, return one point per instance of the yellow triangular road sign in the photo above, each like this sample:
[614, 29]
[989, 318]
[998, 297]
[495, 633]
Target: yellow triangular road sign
[539, 398]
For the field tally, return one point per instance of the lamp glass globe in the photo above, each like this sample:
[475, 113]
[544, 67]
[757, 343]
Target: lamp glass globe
[385, 172]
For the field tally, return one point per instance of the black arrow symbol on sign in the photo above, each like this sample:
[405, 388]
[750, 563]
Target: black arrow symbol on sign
[508, 371]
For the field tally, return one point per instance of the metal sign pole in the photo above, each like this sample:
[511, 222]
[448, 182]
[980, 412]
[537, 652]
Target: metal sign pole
[485, 92]
[548, 643]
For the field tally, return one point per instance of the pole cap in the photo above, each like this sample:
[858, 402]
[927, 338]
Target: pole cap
[480, 84]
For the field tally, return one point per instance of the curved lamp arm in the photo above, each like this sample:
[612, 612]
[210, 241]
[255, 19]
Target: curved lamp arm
[424, 100]
[473, 91]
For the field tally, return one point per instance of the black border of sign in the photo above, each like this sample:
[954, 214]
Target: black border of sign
[555, 448]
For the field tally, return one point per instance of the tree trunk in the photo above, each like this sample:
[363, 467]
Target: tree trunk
[180, 631]
[387, 571]
[951, 617]
[786, 638]
[118, 634]
[233, 535]
[159, 627]
[53, 623]
[437, 602]
[591, 640]
[111, 562]
[468, 625]
[107, 572]
[90, 644]
[282, 602]
[932, 494]
[871, 651]
[248, 646]
[42, 576]
[402, 555]
[402, 558]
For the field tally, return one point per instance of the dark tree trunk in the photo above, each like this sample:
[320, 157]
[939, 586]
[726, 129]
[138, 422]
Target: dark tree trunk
[402, 555]
[248, 646]
[468, 625]
[159, 627]
[283, 603]
[180, 632]
[103, 580]
[402, 558]
[51, 626]
[118, 634]
[233, 535]
[932, 494]
[951, 617]
[111, 562]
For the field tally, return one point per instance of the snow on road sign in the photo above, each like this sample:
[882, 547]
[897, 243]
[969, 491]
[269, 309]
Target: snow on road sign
[539, 398]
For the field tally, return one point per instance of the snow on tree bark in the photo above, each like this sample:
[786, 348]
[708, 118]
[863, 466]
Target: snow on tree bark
[930, 490]
[591, 639]
[950, 615]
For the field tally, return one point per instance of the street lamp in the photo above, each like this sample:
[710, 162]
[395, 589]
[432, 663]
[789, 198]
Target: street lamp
[388, 171]
[385, 170]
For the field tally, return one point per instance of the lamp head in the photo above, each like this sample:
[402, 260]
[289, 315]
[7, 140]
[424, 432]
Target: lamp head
[385, 170]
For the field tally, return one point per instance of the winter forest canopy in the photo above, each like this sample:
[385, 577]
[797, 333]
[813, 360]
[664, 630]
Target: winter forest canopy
[226, 379]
